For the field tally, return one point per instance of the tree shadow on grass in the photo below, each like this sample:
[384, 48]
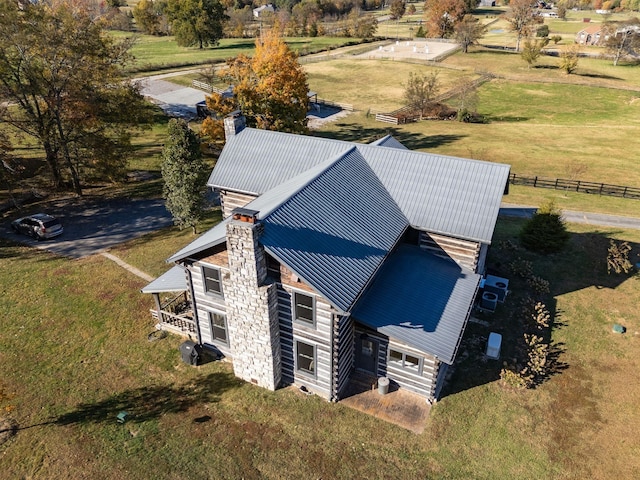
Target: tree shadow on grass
[152, 402]
[350, 132]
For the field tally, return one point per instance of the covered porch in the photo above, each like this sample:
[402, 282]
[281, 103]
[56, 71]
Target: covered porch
[173, 308]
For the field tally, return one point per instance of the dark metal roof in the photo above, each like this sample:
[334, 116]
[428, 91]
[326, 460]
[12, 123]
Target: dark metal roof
[420, 300]
[448, 195]
[336, 231]
[174, 280]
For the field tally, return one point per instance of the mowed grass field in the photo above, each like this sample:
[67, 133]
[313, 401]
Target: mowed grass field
[154, 53]
[74, 348]
[539, 121]
[74, 354]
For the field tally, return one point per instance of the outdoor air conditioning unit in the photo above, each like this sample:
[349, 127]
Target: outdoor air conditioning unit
[489, 301]
[497, 285]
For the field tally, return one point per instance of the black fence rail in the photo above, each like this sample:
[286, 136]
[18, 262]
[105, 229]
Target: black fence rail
[576, 186]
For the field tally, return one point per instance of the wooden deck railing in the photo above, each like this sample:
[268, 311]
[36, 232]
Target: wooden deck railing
[176, 315]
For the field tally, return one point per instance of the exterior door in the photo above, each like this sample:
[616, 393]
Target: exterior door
[367, 354]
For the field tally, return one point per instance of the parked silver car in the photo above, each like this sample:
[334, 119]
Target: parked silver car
[39, 226]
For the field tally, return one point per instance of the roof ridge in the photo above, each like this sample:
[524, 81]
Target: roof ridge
[322, 169]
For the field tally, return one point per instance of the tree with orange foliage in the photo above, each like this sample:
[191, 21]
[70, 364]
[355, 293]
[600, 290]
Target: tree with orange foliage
[270, 89]
[442, 16]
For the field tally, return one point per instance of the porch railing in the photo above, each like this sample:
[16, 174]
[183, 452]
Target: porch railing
[176, 315]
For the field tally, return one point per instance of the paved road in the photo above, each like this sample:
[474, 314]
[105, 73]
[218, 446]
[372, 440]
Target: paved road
[92, 226]
[576, 217]
[175, 100]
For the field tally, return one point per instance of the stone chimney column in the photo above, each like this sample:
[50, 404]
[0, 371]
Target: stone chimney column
[234, 123]
[252, 309]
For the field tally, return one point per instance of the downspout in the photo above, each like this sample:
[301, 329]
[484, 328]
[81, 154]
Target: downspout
[193, 304]
[334, 380]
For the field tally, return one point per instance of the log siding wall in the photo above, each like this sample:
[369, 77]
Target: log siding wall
[207, 302]
[229, 200]
[320, 337]
[424, 382]
[464, 252]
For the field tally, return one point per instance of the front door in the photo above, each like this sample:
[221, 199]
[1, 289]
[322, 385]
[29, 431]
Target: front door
[367, 354]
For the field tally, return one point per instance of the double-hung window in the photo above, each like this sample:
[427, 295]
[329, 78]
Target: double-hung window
[212, 280]
[218, 324]
[304, 309]
[305, 358]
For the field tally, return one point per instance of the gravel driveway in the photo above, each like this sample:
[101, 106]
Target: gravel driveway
[92, 226]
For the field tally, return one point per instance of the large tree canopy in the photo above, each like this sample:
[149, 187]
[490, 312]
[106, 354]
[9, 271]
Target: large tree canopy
[442, 16]
[522, 17]
[61, 79]
[196, 22]
[468, 31]
[270, 89]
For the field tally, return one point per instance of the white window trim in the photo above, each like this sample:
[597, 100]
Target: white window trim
[210, 314]
[408, 367]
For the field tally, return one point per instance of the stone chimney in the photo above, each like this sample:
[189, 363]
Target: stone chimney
[252, 305]
[234, 123]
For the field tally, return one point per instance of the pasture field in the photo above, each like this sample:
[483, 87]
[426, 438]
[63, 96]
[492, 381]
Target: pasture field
[539, 121]
[73, 361]
[155, 53]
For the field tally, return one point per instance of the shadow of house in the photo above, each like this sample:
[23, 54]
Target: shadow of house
[581, 265]
[152, 402]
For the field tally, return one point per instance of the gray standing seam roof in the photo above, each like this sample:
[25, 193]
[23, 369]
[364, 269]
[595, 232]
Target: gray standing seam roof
[337, 230]
[447, 195]
[389, 142]
[173, 280]
[255, 161]
[420, 300]
[210, 238]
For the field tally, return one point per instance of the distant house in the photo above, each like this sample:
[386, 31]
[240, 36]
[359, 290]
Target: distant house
[335, 260]
[592, 35]
[262, 10]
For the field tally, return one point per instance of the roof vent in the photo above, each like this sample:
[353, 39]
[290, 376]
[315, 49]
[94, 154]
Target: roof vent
[245, 215]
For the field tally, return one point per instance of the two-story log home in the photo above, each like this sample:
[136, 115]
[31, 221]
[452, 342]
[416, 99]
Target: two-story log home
[334, 258]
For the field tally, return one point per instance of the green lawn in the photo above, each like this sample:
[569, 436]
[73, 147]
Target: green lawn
[540, 121]
[153, 53]
[75, 353]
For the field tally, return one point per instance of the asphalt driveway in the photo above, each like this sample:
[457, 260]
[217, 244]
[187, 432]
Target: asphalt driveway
[93, 226]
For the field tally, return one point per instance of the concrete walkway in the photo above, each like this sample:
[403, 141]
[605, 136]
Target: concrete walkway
[128, 267]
